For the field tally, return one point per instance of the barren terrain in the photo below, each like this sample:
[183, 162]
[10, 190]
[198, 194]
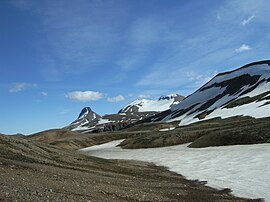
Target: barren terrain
[33, 171]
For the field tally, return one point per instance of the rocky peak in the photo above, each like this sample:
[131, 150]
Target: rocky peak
[84, 112]
[88, 114]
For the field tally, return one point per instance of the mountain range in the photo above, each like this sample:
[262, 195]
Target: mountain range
[89, 121]
[230, 109]
[242, 92]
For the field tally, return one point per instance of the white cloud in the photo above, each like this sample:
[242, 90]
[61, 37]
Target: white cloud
[64, 112]
[17, 87]
[142, 96]
[84, 96]
[248, 20]
[44, 94]
[242, 48]
[118, 98]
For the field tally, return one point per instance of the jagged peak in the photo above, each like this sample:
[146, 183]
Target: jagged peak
[84, 112]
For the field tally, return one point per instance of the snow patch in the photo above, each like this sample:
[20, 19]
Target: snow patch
[243, 168]
[78, 128]
[167, 129]
[103, 121]
[145, 105]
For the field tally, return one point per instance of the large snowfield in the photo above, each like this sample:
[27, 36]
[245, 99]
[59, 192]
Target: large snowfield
[243, 168]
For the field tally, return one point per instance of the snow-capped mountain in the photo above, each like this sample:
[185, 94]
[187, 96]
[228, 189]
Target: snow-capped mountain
[89, 121]
[88, 113]
[86, 116]
[144, 105]
[242, 92]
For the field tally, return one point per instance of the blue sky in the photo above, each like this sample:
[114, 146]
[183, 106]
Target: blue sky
[57, 56]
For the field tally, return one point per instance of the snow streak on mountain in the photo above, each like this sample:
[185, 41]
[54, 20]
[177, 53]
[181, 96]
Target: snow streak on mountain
[86, 116]
[242, 92]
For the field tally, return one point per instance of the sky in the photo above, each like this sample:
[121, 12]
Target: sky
[58, 56]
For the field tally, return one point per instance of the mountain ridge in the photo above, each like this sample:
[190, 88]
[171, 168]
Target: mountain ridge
[245, 90]
[88, 121]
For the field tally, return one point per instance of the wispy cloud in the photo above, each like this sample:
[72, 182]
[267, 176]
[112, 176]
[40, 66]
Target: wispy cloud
[248, 20]
[44, 93]
[146, 31]
[118, 98]
[17, 87]
[210, 47]
[79, 35]
[199, 79]
[84, 96]
[143, 37]
[242, 48]
[143, 96]
[82, 37]
[188, 74]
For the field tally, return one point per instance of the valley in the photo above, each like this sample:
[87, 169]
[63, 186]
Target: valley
[218, 136]
[134, 100]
